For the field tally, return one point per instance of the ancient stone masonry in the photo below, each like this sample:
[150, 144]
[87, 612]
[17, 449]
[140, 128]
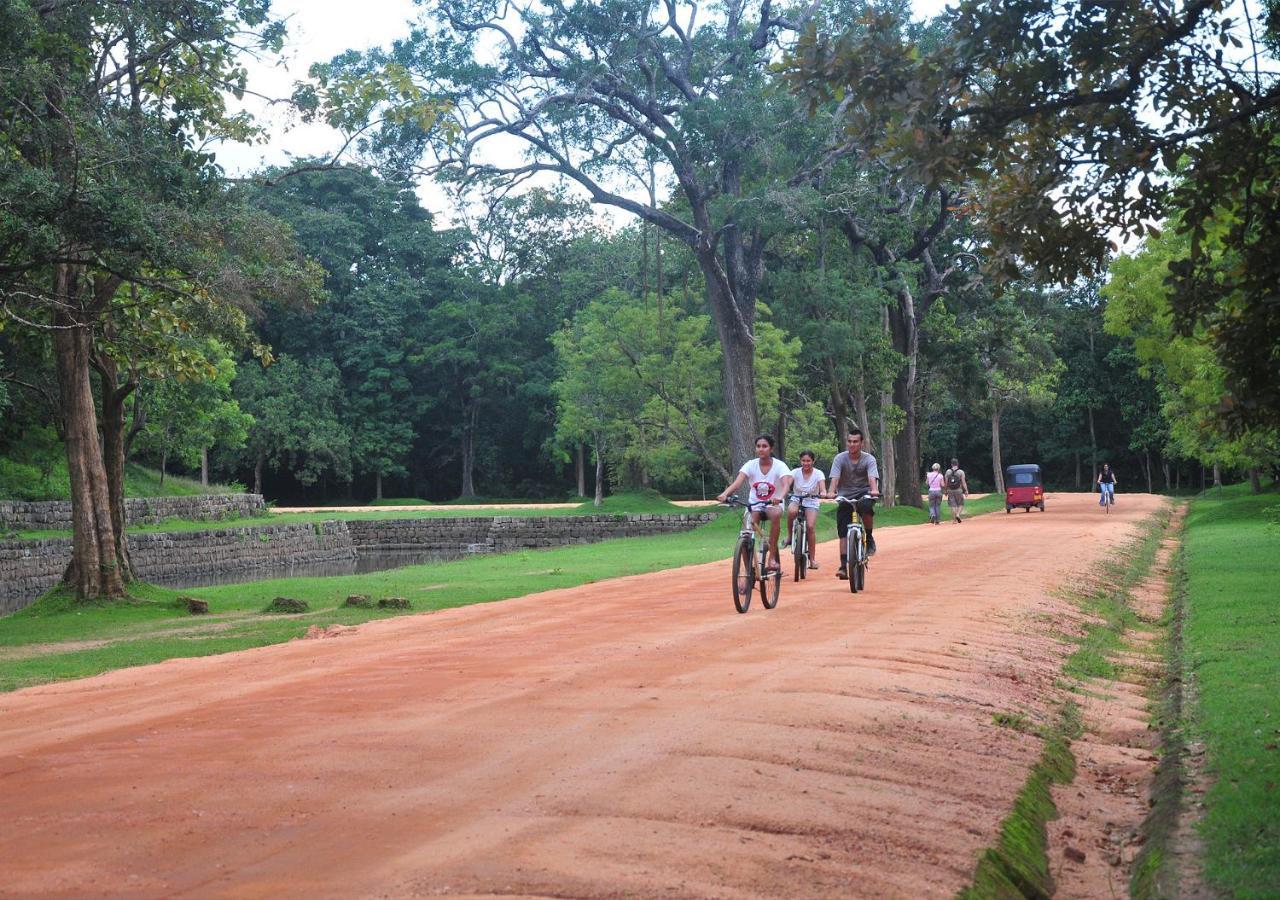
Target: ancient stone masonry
[55, 515]
[181, 558]
[189, 558]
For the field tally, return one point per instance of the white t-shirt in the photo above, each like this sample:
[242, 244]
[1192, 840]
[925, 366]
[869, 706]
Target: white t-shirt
[808, 485]
[764, 485]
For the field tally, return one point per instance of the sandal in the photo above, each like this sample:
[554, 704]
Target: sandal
[813, 565]
[842, 574]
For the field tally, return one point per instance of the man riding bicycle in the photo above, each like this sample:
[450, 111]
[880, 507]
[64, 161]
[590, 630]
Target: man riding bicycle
[770, 479]
[854, 476]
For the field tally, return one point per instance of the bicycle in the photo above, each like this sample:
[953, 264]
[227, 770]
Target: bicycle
[751, 567]
[800, 538]
[856, 546]
[1108, 499]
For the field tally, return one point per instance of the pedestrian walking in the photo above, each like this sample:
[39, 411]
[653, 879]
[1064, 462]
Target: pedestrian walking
[957, 486]
[934, 481]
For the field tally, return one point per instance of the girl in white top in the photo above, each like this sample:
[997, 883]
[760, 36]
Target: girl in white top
[770, 479]
[810, 481]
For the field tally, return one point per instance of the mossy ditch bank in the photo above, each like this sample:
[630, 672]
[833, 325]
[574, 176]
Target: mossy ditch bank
[1017, 865]
[1155, 873]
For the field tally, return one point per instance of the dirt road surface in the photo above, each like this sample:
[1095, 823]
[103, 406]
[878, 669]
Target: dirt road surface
[634, 737]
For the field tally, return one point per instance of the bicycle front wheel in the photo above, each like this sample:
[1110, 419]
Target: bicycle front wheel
[858, 574]
[854, 547]
[770, 582]
[743, 575]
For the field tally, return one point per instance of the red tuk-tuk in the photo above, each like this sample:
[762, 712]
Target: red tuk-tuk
[1023, 488]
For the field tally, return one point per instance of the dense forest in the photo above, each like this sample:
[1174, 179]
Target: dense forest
[773, 257]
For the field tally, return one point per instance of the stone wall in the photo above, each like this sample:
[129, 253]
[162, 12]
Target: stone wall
[219, 555]
[23, 515]
[182, 558]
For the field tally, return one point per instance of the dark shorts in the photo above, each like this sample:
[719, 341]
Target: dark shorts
[844, 515]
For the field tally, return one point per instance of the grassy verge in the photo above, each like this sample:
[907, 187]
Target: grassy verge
[620, 504]
[22, 479]
[152, 628]
[1231, 636]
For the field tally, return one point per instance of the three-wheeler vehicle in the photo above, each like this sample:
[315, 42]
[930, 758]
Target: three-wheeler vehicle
[1023, 487]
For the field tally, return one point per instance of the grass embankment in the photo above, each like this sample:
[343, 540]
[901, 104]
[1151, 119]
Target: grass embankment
[21, 480]
[56, 639]
[1231, 645]
[1017, 865]
[619, 504]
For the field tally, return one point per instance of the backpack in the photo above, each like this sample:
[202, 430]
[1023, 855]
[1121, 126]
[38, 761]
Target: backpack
[953, 480]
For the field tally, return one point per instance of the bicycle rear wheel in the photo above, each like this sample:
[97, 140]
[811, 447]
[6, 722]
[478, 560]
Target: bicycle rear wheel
[770, 582]
[743, 574]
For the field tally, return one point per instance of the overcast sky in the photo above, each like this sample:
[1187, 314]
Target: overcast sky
[318, 31]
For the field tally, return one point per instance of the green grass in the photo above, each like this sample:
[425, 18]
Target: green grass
[619, 504]
[1017, 866]
[1231, 638]
[143, 631]
[22, 480]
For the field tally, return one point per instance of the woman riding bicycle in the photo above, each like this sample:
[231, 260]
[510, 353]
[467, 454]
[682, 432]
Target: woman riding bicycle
[770, 479]
[854, 476]
[812, 484]
[1106, 486]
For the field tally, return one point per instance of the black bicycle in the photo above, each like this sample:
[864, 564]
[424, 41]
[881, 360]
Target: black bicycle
[751, 565]
[856, 546]
[800, 538]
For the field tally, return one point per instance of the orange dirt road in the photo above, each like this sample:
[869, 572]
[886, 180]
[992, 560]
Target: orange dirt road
[635, 737]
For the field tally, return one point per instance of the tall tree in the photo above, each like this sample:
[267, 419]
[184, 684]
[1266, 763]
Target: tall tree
[586, 91]
[102, 186]
[1079, 121]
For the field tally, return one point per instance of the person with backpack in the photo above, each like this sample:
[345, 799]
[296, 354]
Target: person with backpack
[957, 487]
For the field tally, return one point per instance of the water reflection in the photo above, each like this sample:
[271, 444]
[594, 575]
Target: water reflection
[374, 561]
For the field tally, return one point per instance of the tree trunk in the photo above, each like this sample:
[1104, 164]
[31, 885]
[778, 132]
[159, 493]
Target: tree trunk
[839, 411]
[259, 464]
[204, 466]
[888, 455]
[1093, 454]
[1217, 475]
[734, 317]
[469, 450]
[1147, 466]
[95, 572]
[860, 413]
[599, 445]
[164, 463]
[1255, 479]
[377, 486]
[997, 461]
[1079, 474]
[113, 397]
[580, 468]
[1164, 466]
[904, 332]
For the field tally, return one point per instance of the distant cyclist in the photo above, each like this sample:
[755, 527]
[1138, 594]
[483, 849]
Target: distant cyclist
[854, 476]
[770, 479]
[1106, 486]
[810, 481]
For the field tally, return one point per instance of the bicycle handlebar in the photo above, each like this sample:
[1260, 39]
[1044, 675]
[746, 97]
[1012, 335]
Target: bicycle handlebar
[852, 500]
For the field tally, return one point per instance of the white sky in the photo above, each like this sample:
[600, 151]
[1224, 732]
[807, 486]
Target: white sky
[318, 31]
